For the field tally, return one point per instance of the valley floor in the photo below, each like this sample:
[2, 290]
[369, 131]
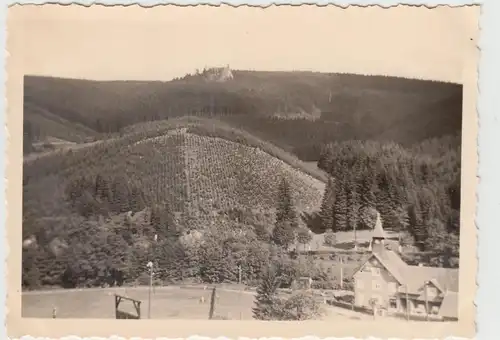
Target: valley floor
[168, 302]
[171, 302]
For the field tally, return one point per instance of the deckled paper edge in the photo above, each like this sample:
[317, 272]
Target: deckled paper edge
[427, 4]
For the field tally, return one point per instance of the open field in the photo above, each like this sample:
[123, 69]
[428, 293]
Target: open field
[170, 302]
[166, 302]
[344, 240]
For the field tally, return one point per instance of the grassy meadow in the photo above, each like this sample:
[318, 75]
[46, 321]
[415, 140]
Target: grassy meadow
[166, 303]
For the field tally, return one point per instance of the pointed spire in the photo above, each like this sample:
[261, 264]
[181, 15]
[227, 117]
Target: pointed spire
[378, 231]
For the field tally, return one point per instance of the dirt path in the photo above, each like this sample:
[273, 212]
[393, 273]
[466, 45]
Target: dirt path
[63, 149]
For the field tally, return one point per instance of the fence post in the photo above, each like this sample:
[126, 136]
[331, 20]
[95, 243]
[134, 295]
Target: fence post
[212, 304]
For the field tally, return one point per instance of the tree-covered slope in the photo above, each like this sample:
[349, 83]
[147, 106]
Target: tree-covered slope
[194, 174]
[297, 111]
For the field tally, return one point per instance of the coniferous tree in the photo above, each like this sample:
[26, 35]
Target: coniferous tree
[368, 190]
[352, 211]
[446, 245]
[340, 207]
[327, 210]
[267, 301]
[384, 204]
[163, 222]
[283, 234]
[286, 217]
[400, 220]
[285, 210]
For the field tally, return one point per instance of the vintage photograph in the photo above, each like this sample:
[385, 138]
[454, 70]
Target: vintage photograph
[228, 190]
[230, 193]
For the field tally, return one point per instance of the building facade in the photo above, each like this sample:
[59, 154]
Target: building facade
[384, 281]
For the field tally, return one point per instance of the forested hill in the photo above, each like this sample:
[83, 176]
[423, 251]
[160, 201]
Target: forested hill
[416, 190]
[98, 207]
[194, 168]
[297, 111]
[219, 165]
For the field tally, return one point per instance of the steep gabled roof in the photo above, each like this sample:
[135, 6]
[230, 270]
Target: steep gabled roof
[394, 264]
[414, 277]
[391, 261]
[443, 278]
[449, 306]
[423, 296]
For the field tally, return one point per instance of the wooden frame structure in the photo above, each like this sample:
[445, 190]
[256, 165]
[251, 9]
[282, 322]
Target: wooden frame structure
[124, 315]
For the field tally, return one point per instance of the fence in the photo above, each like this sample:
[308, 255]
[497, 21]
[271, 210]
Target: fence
[399, 315]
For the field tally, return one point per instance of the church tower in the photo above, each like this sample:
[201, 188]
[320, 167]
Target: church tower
[378, 236]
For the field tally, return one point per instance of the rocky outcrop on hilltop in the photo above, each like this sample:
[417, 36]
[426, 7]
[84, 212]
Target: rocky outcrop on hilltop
[218, 74]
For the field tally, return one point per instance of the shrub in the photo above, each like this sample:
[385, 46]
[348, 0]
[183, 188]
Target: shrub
[346, 298]
[323, 284]
[300, 306]
[330, 238]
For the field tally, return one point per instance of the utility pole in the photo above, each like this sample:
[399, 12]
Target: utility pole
[341, 273]
[355, 237]
[239, 273]
[155, 261]
[407, 305]
[150, 267]
[212, 304]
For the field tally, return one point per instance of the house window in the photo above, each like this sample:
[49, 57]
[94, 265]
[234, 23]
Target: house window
[376, 271]
[376, 285]
[393, 303]
[359, 284]
[431, 291]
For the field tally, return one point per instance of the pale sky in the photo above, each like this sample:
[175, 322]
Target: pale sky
[163, 42]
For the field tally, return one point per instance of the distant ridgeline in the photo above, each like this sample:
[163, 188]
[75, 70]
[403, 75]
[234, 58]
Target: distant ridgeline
[214, 188]
[297, 111]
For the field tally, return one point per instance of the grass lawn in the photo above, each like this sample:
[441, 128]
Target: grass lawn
[344, 240]
[166, 303]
